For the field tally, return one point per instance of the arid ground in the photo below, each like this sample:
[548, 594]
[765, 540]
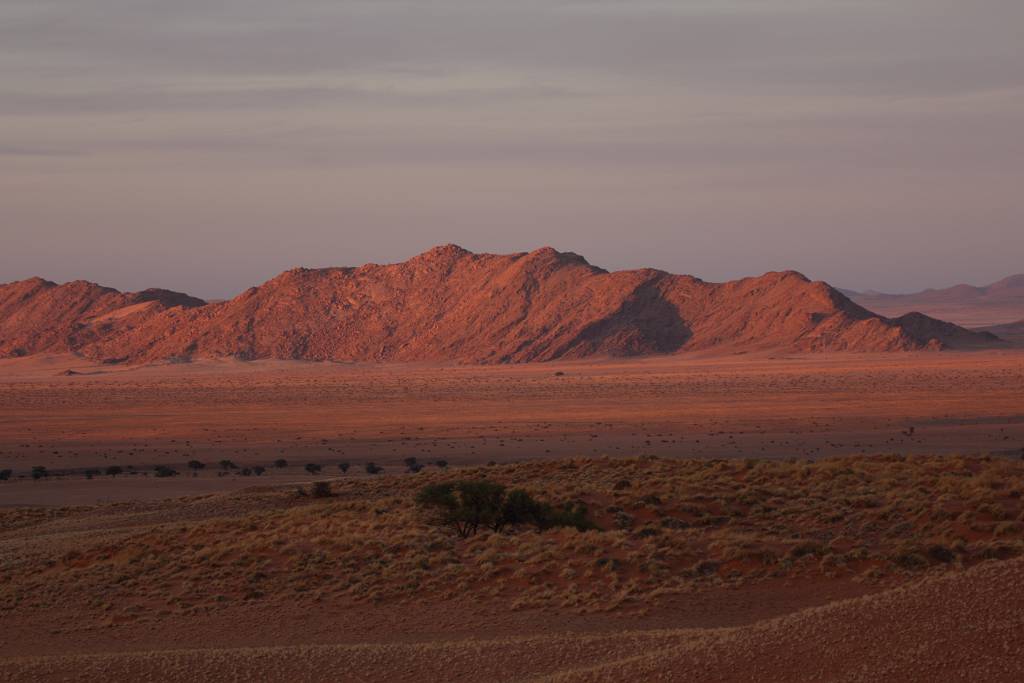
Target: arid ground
[804, 517]
[803, 406]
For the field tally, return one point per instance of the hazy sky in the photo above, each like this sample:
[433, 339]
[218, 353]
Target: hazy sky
[206, 145]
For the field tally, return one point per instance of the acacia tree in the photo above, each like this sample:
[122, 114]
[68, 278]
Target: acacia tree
[466, 506]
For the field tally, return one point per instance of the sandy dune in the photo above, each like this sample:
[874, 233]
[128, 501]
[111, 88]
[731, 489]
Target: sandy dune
[963, 626]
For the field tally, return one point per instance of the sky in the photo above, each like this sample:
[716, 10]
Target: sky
[206, 145]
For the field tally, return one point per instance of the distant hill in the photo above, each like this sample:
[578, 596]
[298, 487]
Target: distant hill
[1011, 332]
[451, 304]
[995, 304]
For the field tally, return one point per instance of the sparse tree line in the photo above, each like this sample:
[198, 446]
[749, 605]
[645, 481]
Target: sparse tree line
[224, 467]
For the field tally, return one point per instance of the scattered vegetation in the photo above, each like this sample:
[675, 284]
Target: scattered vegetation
[313, 468]
[373, 468]
[675, 527]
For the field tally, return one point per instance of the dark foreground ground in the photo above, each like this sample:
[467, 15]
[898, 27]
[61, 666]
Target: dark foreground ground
[857, 568]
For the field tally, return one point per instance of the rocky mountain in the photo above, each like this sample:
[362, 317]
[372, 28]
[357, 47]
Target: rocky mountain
[39, 315]
[995, 304]
[451, 304]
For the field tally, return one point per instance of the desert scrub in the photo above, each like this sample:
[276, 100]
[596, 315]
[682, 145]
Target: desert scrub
[694, 524]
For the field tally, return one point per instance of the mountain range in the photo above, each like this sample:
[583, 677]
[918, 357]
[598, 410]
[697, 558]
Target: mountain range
[453, 305]
[999, 303]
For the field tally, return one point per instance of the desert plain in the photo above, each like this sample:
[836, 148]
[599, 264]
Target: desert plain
[753, 516]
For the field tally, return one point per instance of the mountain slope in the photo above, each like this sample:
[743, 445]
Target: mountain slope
[39, 315]
[999, 303]
[451, 304]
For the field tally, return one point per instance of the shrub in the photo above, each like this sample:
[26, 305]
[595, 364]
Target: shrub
[468, 505]
[5, 475]
[575, 515]
[38, 472]
[228, 465]
[441, 463]
[343, 466]
[321, 489]
[280, 463]
[446, 507]
[114, 470]
[165, 471]
[195, 465]
[313, 468]
[246, 472]
[258, 470]
[373, 468]
[90, 473]
[941, 553]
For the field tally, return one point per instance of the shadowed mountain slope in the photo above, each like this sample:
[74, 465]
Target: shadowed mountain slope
[451, 304]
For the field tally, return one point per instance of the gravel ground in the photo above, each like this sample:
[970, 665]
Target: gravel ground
[958, 627]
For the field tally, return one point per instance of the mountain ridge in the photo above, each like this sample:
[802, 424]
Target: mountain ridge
[450, 304]
[985, 306]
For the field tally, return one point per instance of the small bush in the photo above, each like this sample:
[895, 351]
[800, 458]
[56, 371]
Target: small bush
[441, 463]
[227, 465]
[373, 468]
[39, 472]
[258, 470]
[280, 463]
[321, 489]
[941, 553]
[114, 470]
[195, 465]
[466, 506]
[5, 474]
[165, 471]
[313, 468]
[343, 466]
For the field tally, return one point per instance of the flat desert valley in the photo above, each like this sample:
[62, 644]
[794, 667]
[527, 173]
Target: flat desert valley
[757, 516]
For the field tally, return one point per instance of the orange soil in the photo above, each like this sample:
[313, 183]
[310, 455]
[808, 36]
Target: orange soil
[252, 413]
